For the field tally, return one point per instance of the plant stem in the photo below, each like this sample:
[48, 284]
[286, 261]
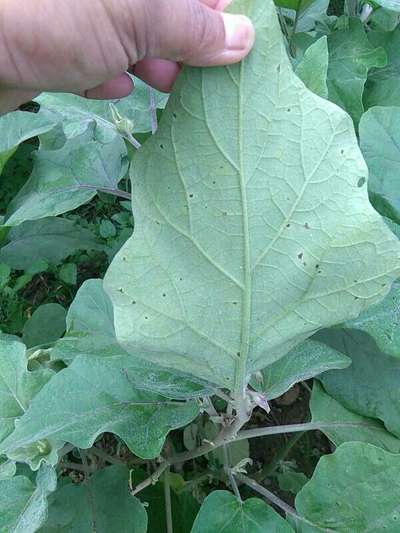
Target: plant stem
[277, 501]
[282, 20]
[228, 470]
[232, 434]
[294, 428]
[85, 463]
[351, 7]
[77, 467]
[167, 497]
[107, 190]
[65, 450]
[153, 111]
[267, 494]
[131, 139]
[296, 20]
[227, 435]
[106, 457]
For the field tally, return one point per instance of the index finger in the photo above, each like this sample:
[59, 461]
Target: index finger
[219, 5]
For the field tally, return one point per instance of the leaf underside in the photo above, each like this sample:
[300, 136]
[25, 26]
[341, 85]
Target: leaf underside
[253, 227]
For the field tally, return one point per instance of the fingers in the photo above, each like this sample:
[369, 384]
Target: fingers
[11, 99]
[219, 5]
[159, 73]
[195, 33]
[111, 90]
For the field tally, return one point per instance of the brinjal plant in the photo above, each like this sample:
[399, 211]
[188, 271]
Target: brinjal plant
[237, 367]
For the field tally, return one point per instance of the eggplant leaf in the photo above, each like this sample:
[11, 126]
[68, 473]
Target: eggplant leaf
[253, 227]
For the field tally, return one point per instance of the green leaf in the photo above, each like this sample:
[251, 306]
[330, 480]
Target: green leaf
[68, 273]
[313, 68]
[297, 5]
[242, 247]
[394, 5]
[351, 56]
[350, 425]
[18, 127]
[93, 396]
[107, 229]
[17, 385]
[17, 388]
[382, 85]
[102, 504]
[23, 506]
[303, 362]
[51, 239]
[77, 112]
[8, 468]
[66, 178]
[90, 325]
[384, 20]
[369, 386]
[312, 15]
[382, 322]
[222, 511]
[349, 491]
[290, 481]
[184, 506]
[46, 325]
[380, 144]
[310, 18]
[5, 272]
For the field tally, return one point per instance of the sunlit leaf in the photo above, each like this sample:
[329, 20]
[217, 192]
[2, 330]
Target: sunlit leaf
[66, 178]
[253, 227]
[349, 491]
[222, 511]
[350, 426]
[380, 143]
[23, 506]
[102, 504]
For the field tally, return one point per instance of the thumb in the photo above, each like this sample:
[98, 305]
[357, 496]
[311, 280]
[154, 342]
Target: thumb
[191, 32]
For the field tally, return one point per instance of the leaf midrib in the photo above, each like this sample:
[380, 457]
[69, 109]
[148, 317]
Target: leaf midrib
[240, 378]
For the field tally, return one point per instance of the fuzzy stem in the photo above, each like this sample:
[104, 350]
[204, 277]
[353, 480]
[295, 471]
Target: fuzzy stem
[168, 506]
[278, 502]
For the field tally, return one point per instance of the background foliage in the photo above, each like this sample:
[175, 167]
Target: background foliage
[239, 366]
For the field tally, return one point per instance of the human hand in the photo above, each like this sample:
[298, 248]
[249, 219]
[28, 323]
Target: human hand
[87, 46]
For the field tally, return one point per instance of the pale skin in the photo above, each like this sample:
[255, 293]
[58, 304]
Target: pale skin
[87, 46]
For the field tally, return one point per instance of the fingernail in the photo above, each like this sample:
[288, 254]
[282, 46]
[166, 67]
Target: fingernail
[239, 32]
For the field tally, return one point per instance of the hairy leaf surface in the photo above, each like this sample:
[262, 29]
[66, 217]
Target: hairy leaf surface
[370, 385]
[351, 56]
[76, 112]
[393, 5]
[222, 511]
[349, 491]
[23, 506]
[313, 68]
[93, 396]
[90, 324]
[380, 143]
[18, 127]
[252, 223]
[350, 426]
[382, 86]
[17, 385]
[66, 178]
[102, 504]
[382, 322]
[303, 362]
[46, 325]
[50, 239]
